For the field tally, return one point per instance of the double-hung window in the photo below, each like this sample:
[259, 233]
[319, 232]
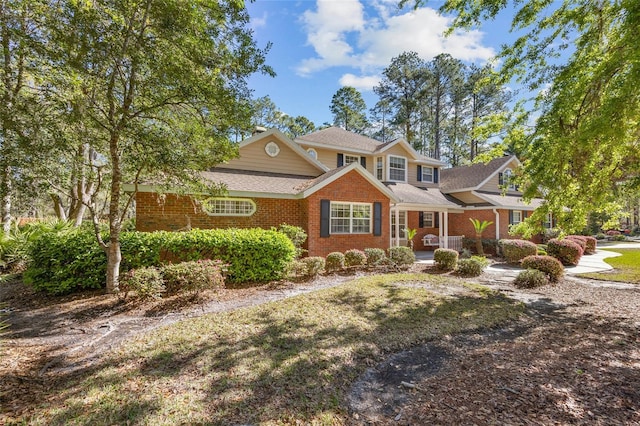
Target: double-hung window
[350, 218]
[427, 174]
[379, 169]
[428, 220]
[397, 169]
[516, 217]
[548, 221]
[348, 159]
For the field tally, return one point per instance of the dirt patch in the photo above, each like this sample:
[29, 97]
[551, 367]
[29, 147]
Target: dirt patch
[575, 359]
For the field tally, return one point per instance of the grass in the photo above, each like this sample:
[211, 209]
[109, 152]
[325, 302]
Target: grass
[285, 362]
[626, 267]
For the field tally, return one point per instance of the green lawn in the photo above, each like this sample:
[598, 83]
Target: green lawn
[626, 267]
[279, 363]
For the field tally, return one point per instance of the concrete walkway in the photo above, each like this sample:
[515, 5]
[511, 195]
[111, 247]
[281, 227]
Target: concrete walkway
[590, 263]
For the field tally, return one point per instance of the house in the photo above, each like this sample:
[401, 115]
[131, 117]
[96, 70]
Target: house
[485, 193]
[346, 190]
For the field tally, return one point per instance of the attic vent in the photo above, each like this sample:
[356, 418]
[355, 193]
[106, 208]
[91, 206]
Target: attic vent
[258, 129]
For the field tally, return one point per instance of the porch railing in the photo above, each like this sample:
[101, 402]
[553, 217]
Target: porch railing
[454, 243]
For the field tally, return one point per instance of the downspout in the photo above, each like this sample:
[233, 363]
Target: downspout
[495, 211]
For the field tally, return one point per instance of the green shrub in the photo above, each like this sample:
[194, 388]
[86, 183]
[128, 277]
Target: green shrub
[334, 261]
[296, 268]
[354, 257]
[375, 256]
[315, 265]
[600, 236]
[619, 237]
[542, 250]
[445, 259]
[473, 266]
[72, 260]
[194, 276]
[530, 278]
[578, 239]
[401, 256]
[146, 282]
[566, 251]
[489, 245]
[515, 250]
[547, 264]
[297, 235]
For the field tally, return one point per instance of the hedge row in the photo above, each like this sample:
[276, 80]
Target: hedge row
[71, 260]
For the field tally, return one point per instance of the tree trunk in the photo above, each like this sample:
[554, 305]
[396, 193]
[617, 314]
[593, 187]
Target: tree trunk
[114, 256]
[5, 192]
[479, 248]
[58, 207]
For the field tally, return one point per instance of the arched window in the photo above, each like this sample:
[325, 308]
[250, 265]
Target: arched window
[219, 206]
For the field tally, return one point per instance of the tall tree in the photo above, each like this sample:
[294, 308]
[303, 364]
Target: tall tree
[585, 147]
[164, 84]
[349, 110]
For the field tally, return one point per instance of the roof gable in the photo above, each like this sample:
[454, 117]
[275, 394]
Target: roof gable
[473, 176]
[340, 139]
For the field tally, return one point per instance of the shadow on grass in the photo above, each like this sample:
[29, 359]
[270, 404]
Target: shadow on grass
[284, 361]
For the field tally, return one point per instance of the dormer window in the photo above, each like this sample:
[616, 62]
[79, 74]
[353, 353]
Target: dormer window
[348, 159]
[505, 179]
[397, 169]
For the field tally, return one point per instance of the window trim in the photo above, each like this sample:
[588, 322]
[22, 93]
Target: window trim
[208, 211]
[507, 176]
[548, 221]
[426, 223]
[402, 217]
[513, 217]
[406, 163]
[351, 218]
[347, 156]
[432, 174]
[380, 168]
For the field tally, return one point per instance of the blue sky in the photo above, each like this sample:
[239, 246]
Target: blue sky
[322, 45]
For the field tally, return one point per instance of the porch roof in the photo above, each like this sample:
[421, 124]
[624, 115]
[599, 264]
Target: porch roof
[260, 182]
[509, 201]
[429, 197]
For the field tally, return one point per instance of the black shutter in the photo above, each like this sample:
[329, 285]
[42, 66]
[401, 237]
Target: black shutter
[325, 214]
[363, 162]
[377, 219]
[500, 179]
[510, 216]
[420, 218]
[436, 219]
[420, 175]
[435, 175]
[340, 160]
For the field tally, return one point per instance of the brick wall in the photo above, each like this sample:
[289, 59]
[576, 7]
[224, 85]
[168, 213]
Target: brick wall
[350, 188]
[170, 212]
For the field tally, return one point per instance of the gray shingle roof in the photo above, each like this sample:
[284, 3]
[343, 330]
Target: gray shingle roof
[430, 196]
[340, 138]
[511, 201]
[250, 181]
[470, 176]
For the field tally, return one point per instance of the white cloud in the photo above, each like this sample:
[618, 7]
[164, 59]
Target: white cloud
[364, 82]
[343, 33]
[259, 22]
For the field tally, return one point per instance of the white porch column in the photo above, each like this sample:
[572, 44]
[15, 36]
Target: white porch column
[397, 226]
[446, 229]
[497, 224]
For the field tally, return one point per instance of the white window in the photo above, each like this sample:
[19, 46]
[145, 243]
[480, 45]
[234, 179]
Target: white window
[379, 169]
[397, 169]
[229, 207]
[402, 221]
[348, 159]
[350, 218]
[427, 220]
[427, 174]
[548, 221]
[516, 217]
[507, 177]
[312, 153]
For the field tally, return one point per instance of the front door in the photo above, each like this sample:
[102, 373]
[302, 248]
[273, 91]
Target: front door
[402, 221]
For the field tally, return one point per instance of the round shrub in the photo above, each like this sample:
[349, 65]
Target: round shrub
[146, 282]
[580, 240]
[515, 250]
[354, 257]
[473, 266]
[334, 261]
[194, 276]
[547, 264]
[375, 256]
[566, 251]
[315, 265]
[591, 245]
[530, 278]
[445, 259]
[401, 256]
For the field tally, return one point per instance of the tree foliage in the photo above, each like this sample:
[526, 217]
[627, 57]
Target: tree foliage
[582, 59]
[349, 110]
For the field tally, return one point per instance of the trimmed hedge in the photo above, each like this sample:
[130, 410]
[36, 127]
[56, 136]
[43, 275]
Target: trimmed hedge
[401, 256]
[473, 266]
[355, 257]
[566, 251]
[516, 250]
[315, 265]
[334, 261]
[72, 260]
[445, 259]
[587, 243]
[547, 264]
[530, 278]
[375, 256]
